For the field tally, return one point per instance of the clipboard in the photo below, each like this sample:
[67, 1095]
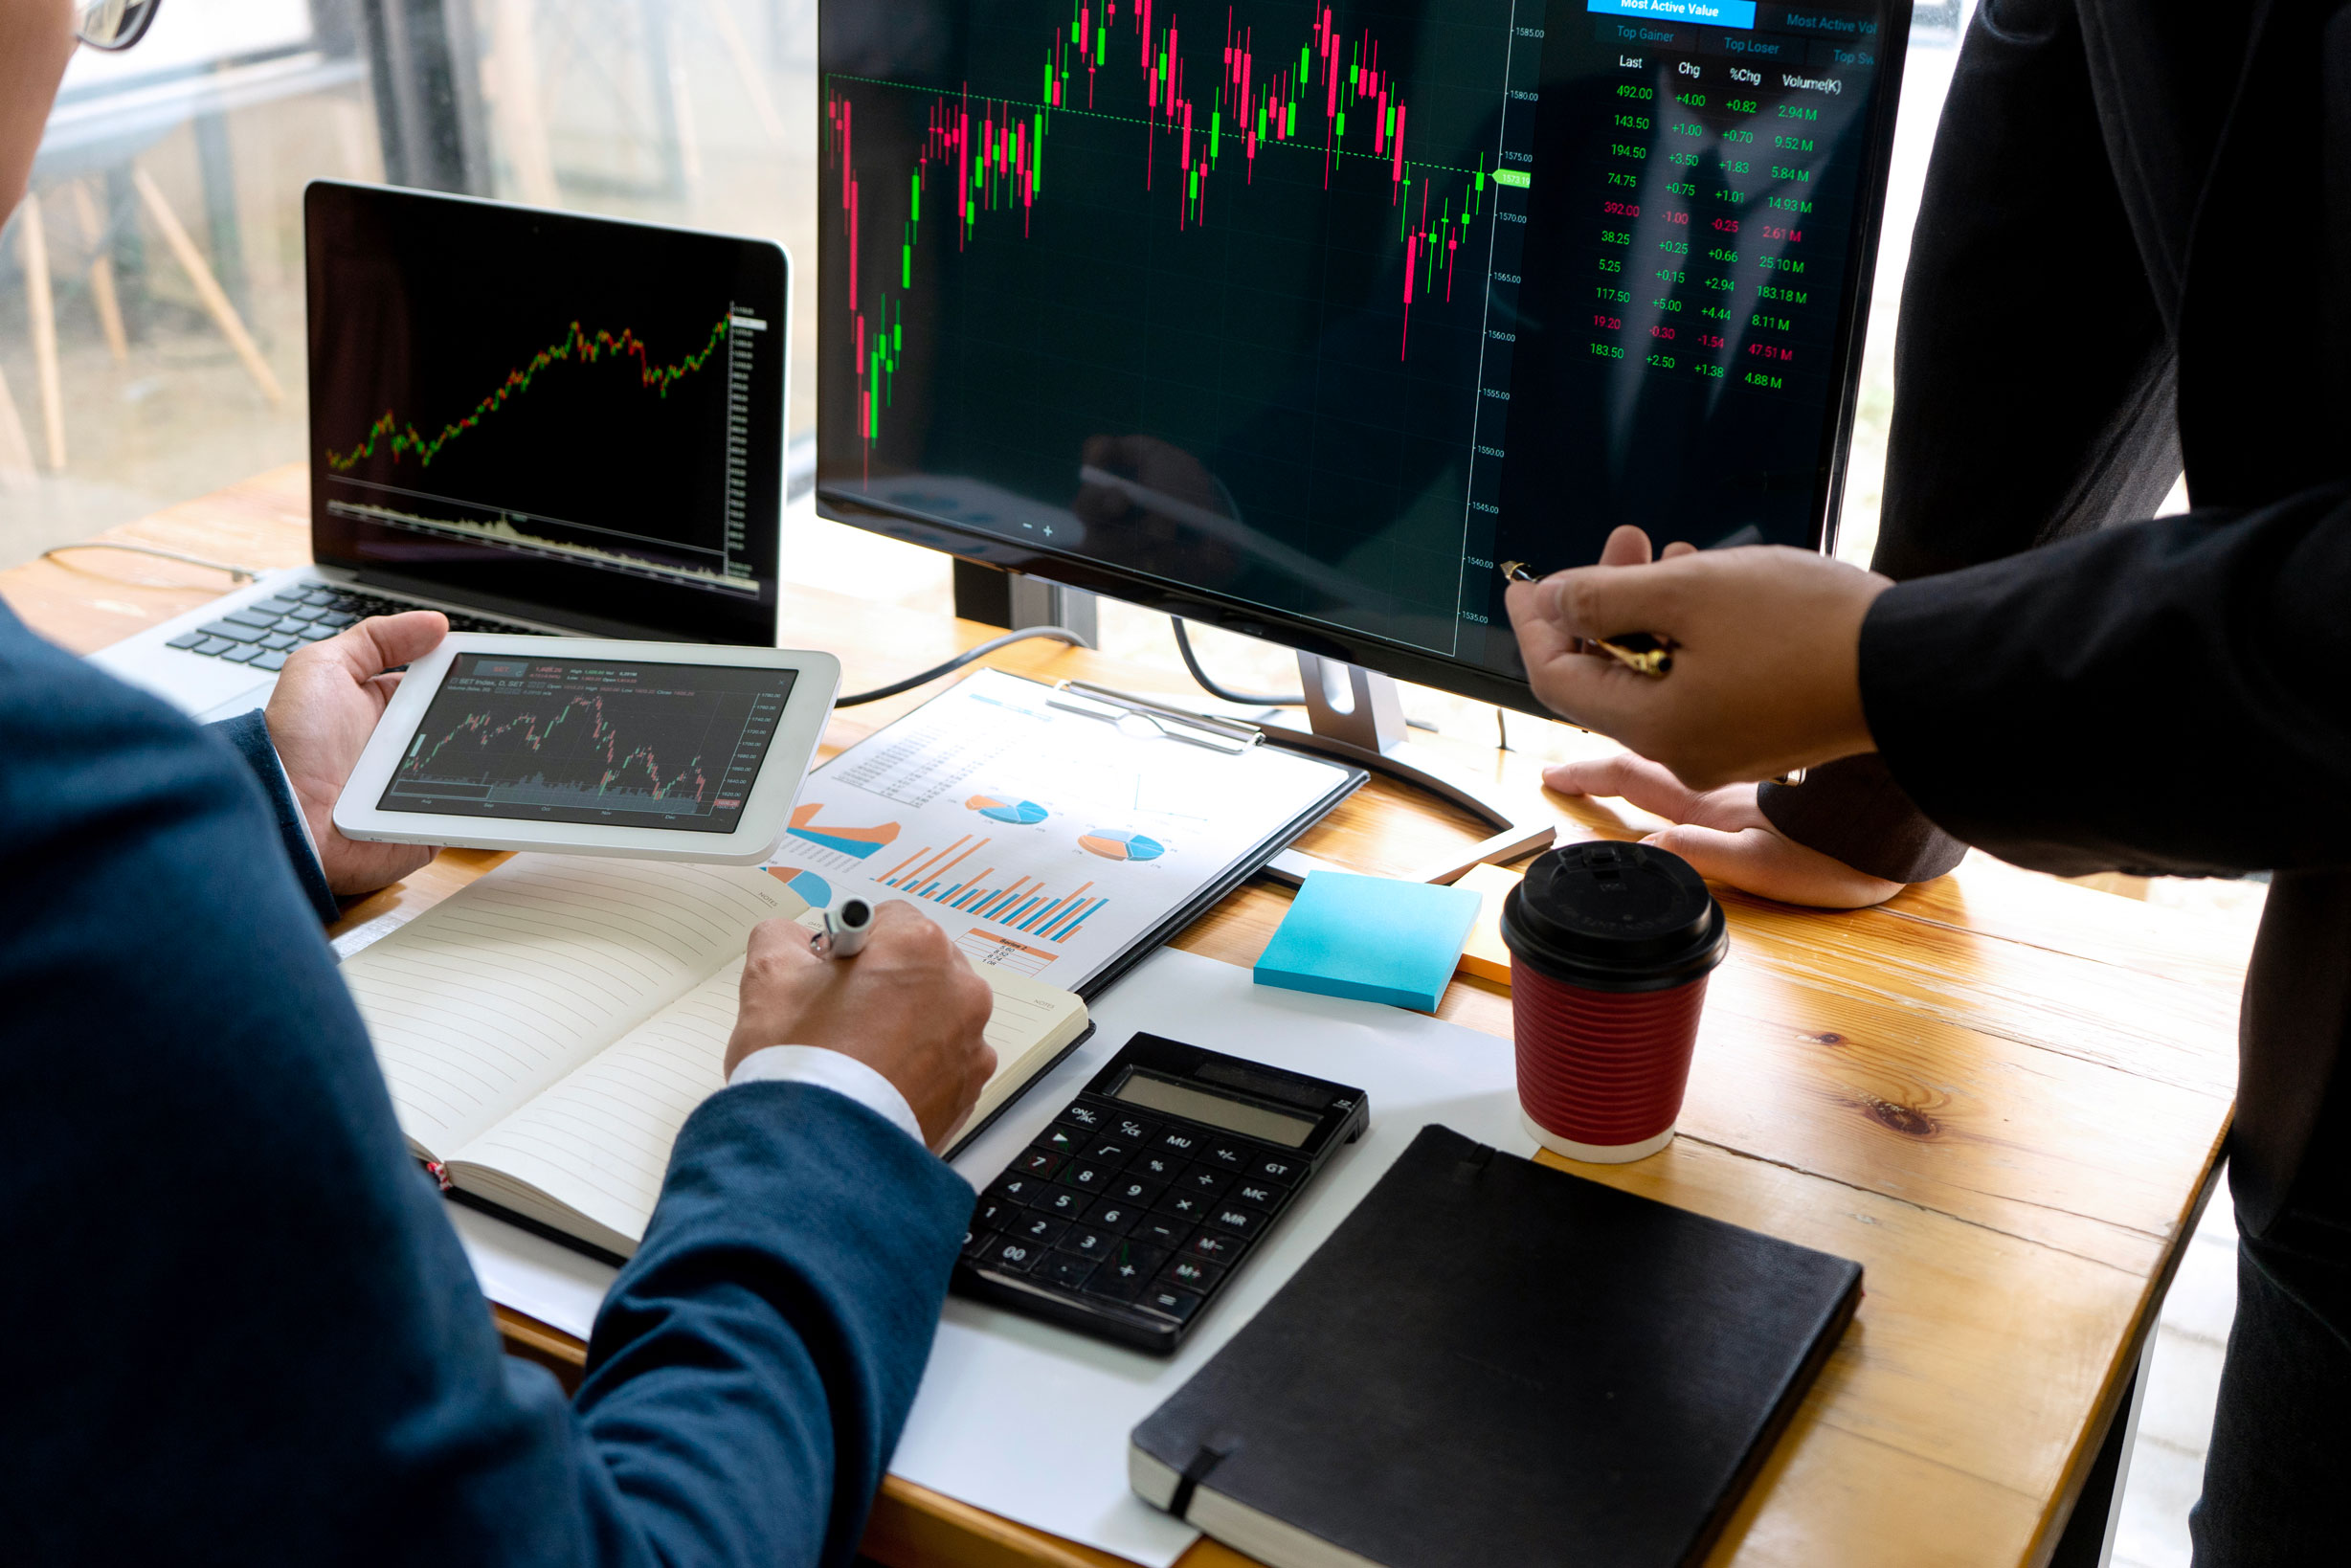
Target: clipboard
[1063, 830]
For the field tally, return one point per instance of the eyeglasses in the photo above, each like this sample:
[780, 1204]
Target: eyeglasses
[113, 24]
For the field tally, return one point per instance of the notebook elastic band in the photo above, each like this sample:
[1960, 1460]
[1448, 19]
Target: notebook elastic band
[1203, 1462]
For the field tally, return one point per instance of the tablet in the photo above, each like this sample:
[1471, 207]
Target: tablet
[646, 751]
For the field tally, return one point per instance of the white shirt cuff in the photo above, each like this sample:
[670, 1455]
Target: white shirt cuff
[831, 1070]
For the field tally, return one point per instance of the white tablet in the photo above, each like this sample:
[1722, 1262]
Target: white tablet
[647, 751]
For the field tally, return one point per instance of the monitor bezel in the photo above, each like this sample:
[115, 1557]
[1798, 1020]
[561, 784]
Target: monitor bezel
[1402, 661]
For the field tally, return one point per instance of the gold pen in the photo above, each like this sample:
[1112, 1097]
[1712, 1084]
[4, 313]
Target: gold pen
[1644, 653]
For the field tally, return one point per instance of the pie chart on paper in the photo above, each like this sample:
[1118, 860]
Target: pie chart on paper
[1118, 844]
[998, 809]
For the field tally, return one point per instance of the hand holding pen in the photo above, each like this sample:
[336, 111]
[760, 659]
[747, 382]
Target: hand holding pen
[845, 929]
[1644, 653]
[1764, 642]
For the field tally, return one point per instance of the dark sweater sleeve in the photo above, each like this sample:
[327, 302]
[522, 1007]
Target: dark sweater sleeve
[248, 736]
[2169, 698]
[1852, 810]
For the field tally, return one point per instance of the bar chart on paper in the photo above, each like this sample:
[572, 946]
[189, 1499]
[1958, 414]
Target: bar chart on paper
[1041, 837]
[965, 878]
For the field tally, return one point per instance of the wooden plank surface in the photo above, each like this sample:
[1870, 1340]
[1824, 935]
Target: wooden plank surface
[2002, 1094]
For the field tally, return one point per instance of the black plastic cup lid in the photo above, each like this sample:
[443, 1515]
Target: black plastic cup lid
[1615, 917]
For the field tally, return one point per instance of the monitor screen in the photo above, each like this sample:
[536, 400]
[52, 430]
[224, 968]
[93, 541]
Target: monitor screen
[1307, 320]
[628, 743]
[570, 418]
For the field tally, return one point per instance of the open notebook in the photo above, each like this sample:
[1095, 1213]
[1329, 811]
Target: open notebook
[547, 1030]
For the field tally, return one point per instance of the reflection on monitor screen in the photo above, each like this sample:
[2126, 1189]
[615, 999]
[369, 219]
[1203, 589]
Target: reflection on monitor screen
[573, 416]
[1317, 313]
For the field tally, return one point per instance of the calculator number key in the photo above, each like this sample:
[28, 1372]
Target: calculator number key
[1012, 1256]
[1039, 1162]
[1088, 1242]
[1062, 1202]
[1040, 1230]
[1114, 1215]
[1019, 1191]
[1136, 1189]
[1087, 1178]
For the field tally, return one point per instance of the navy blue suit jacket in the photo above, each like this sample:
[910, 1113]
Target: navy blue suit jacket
[238, 1325]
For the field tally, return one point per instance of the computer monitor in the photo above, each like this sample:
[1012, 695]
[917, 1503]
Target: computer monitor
[566, 418]
[1303, 319]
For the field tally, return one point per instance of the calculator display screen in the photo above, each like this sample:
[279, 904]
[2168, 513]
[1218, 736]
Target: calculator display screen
[1158, 1094]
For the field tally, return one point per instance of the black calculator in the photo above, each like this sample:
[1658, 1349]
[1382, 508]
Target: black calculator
[1135, 1208]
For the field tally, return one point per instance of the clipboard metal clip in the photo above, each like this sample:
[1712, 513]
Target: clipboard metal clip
[1140, 715]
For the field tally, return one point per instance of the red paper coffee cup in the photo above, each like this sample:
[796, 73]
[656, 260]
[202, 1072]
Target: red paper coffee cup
[1611, 948]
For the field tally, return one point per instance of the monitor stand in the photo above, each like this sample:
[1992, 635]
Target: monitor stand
[1357, 715]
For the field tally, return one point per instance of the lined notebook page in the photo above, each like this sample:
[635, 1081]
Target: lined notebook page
[598, 1141]
[494, 994]
[1028, 1021]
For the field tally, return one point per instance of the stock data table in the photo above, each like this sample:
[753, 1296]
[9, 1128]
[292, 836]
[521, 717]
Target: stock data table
[2002, 1094]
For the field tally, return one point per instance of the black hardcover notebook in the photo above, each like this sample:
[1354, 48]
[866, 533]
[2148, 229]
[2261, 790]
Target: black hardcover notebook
[1492, 1362]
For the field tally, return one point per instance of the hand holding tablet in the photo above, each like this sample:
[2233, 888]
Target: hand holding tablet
[650, 751]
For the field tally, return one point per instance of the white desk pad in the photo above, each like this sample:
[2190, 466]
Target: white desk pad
[1030, 1420]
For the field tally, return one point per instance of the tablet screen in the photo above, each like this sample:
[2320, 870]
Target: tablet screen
[626, 742]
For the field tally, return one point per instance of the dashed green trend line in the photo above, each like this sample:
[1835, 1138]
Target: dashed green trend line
[576, 345]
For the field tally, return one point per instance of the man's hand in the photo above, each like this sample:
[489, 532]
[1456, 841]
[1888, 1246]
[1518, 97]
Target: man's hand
[907, 1006]
[1766, 668]
[1724, 833]
[328, 697]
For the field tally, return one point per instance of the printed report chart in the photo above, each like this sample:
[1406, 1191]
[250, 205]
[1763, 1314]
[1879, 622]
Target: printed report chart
[1044, 840]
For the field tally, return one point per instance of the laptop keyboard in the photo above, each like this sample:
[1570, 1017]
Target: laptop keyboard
[265, 630]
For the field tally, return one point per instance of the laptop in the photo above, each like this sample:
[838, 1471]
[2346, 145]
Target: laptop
[529, 421]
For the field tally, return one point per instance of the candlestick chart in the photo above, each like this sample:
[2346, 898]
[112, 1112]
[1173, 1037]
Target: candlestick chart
[1222, 117]
[574, 749]
[567, 741]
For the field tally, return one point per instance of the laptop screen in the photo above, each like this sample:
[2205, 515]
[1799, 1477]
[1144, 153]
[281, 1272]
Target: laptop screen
[569, 418]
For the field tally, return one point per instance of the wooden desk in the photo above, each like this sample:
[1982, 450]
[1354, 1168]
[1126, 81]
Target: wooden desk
[2003, 1094]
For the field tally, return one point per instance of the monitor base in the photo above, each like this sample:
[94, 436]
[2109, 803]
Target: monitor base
[1357, 715]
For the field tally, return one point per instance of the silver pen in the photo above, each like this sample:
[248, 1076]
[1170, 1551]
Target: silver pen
[845, 929]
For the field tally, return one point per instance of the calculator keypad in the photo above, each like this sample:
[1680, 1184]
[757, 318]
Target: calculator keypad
[1155, 1215]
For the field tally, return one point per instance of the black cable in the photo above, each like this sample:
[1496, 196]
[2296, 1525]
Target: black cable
[1247, 699]
[1059, 633]
[1183, 646]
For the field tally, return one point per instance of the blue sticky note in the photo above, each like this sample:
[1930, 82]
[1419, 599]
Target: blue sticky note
[1371, 938]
